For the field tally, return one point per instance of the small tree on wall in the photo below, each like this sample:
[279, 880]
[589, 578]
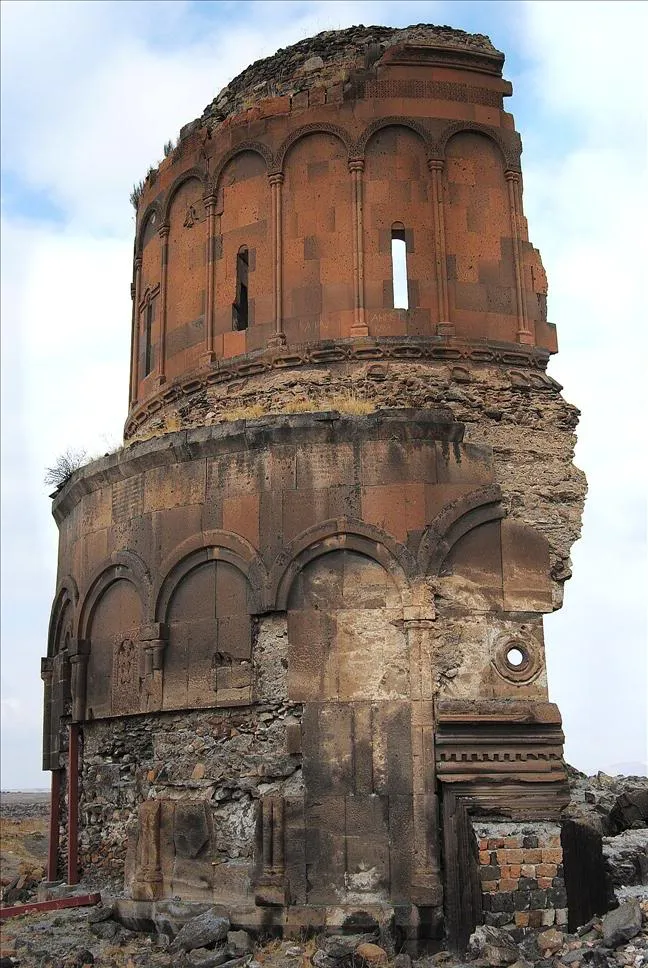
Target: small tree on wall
[64, 467]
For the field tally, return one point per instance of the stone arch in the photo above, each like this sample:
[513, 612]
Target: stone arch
[67, 597]
[255, 146]
[359, 149]
[303, 132]
[243, 223]
[210, 588]
[154, 208]
[400, 297]
[345, 534]
[317, 229]
[456, 520]
[122, 565]
[461, 127]
[195, 551]
[195, 172]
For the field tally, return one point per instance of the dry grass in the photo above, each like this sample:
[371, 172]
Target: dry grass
[351, 403]
[246, 413]
[347, 402]
[23, 846]
[172, 423]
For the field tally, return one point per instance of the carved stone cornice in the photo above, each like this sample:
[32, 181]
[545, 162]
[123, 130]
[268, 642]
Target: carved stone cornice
[433, 349]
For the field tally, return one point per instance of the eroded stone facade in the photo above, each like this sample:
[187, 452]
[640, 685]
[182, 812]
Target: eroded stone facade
[297, 641]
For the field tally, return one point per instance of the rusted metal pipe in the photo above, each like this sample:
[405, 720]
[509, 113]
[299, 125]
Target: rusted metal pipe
[79, 900]
[53, 846]
[73, 806]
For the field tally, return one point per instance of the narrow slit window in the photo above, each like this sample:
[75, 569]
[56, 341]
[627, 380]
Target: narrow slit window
[240, 306]
[149, 316]
[399, 266]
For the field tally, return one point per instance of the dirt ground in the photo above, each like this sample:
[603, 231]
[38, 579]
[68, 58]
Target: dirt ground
[23, 835]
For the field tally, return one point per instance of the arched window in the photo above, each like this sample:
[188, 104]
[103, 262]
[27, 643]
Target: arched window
[240, 305]
[399, 266]
[148, 308]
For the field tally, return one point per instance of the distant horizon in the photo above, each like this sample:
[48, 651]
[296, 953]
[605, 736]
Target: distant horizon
[606, 772]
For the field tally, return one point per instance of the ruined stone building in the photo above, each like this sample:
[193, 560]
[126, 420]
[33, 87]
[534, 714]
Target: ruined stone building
[296, 661]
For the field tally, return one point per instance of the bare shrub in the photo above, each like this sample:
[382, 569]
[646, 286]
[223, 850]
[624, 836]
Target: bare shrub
[64, 467]
[136, 194]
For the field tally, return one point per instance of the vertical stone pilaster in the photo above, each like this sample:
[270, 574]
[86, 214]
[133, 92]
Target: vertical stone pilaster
[524, 334]
[147, 884]
[164, 237]
[73, 805]
[426, 878]
[278, 836]
[136, 295]
[444, 326]
[79, 651]
[47, 675]
[153, 641]
[276, 205]
[210, 286]
[356, 168]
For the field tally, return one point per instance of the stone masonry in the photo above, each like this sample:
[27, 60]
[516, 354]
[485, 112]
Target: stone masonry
[296, 655]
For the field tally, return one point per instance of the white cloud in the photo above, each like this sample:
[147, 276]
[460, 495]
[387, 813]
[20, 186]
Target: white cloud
[584, 199]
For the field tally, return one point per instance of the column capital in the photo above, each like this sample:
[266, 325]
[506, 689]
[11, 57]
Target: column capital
[435, 164]
[210, 200]
[276, 178]
[163, 231]
[356, 164]
[512, 176]
[78, 649]
[138, 262]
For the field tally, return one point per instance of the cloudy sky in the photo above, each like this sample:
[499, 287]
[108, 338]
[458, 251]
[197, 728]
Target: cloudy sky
[90, 93]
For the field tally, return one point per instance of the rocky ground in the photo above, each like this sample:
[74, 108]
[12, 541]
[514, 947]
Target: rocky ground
[109, 936]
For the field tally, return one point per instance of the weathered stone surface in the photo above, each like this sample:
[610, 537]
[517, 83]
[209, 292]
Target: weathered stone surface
[493, 945]
[550, 941]
[239, 942]
[371, 954]
[626, 857]
[206, 929]
[622, 924]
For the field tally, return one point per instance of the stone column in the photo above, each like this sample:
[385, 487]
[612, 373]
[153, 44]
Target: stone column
[427, 888]
[276, 181]
[73, 805]
[210, 208]
[135, 296]
[359, 328]
[147, 883]
[444, 326]
[164, 237]
[153, 640]
[79, 651]
[47, 675]
[524, 334]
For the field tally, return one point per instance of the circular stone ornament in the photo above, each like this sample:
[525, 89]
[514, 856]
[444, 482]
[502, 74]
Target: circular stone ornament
[518, 659]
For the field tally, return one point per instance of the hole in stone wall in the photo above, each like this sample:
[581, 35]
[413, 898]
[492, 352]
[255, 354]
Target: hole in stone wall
[240, 306]
[515, 657]
[399, 266]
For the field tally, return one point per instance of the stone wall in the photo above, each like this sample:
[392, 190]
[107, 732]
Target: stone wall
[216, 766]
[325, 61]
[308, 193]
[522, 877]
[520, 412]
